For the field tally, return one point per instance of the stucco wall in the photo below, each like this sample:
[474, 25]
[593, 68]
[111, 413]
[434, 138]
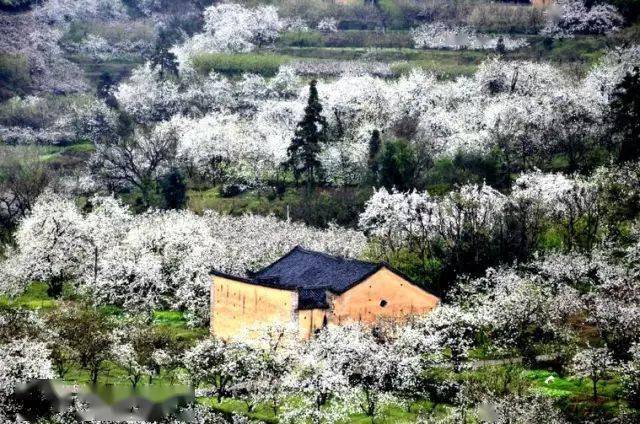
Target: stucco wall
[362, 303]
[238, 307]
[311, 320]
[541, 3]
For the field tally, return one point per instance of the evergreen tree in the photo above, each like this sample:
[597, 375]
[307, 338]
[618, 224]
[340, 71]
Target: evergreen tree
[397, 165]
[174, 189]
[625, 116]
[500, 47]
[162, 57]
[374, 145]
[106, 82]
[307, 141]
[374, 149]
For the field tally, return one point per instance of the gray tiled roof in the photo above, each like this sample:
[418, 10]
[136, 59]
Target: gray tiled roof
[306, 269]
[312, 274]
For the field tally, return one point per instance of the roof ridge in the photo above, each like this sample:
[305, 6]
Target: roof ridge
[329, 255]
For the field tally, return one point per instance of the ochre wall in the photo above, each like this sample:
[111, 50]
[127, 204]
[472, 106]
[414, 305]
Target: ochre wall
[541, 3]
[362, 302]
[310, 320]
[238, 308]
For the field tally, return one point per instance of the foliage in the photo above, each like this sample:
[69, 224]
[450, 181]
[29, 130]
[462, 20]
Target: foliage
[23, 177]
[143, 350]
[574, 17]
[14, 75]
[87, 332]
[17, 4]
[140, 161]
[21, 360]
[307, 141]
[174, 189]
[632, 378]
[625, 113]
[234, 64]
[593, 363]
[397, 165]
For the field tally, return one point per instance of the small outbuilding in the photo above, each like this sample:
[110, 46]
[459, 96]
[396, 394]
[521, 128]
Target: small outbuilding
[312, 290]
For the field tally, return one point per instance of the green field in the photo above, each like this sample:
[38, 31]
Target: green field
[576, 54]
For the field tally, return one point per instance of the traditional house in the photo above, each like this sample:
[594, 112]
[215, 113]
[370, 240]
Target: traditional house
[312, 290]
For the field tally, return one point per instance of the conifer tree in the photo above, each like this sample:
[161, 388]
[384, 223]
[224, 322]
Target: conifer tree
[374, 149]
[374, 146]
[500, 47]
[307, 142]
[625, 115]
[162, 58]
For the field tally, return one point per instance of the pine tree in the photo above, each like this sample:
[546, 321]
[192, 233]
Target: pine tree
[500, 47]
[174, 189]
[374, 146]
[374, 149]
[625, 116]
[162, 58]
[307, 141]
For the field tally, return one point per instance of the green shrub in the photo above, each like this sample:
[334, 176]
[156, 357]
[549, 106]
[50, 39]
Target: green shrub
[301, 39]
[424, 271]
[368, 39]
[397, 165]
[14, 75]
[393, 14]
[341, 206]
[440, 68]
[465, 168]
[264, 64]
[580, 52]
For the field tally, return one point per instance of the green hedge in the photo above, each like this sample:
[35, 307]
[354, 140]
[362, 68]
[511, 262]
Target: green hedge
[264, 64]
[302, 39]
[347, 38]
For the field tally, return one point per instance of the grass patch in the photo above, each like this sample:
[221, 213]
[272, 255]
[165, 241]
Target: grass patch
[233, 64]
[443, 70]
[248, 202]
[169, 318]
[54, 153]
[329, 205]
[444, 63]
[390, 414]
[368, 38]
[35, 298]
[301, 39]
[235, 406]
[551, 384]
[580, 53]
